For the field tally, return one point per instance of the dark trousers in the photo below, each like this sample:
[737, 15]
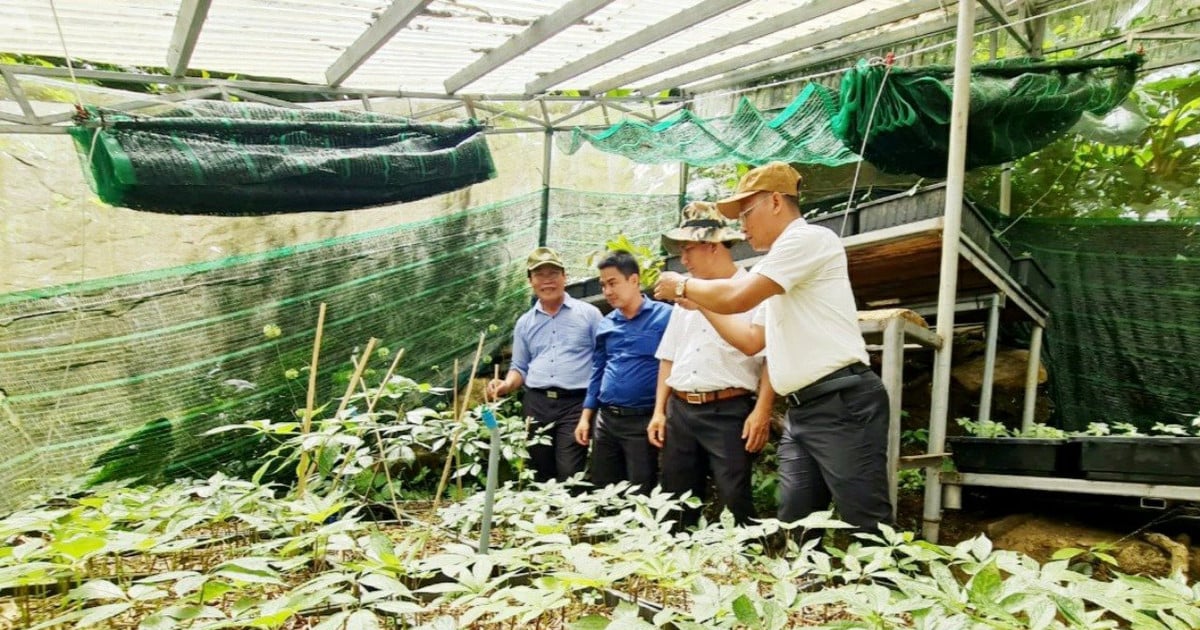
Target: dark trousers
[704, 440]
[835, 446]
[563, 457]
[621, 451]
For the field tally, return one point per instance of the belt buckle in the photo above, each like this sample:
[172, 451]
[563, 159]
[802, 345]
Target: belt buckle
[694, 398]
[550, 393]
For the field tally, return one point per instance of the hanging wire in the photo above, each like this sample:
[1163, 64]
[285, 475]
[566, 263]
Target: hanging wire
[66, 55]
[850, 204]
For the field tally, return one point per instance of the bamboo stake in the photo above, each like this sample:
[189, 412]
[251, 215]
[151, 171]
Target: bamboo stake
[437, 497]
[387, 472]
[354, 380]
[306, 425]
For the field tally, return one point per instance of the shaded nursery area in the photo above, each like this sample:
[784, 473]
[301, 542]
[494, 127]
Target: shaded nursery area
[261, 258]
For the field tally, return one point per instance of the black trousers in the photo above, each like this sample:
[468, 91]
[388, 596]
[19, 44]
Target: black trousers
[706, 440]
[563, 457]
[621, 451]
[835, 446]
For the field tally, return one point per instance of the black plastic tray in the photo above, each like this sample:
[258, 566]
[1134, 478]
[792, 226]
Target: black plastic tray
[1173, 461]
[1037, 457]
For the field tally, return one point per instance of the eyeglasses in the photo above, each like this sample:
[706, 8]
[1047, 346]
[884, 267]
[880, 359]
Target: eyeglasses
[745, 213]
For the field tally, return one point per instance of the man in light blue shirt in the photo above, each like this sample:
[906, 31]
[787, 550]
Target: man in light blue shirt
[552, 359]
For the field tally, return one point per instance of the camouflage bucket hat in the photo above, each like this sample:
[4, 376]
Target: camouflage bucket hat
[701, 223]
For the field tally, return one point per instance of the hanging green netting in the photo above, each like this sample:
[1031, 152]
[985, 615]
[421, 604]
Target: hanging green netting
[123, 376]
[211, 157]
[1123, 343]
[1017, 107]
[799, 134]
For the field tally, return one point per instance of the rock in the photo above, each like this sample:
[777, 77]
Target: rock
[1177, 552]
[996, 529]
[1009, 373]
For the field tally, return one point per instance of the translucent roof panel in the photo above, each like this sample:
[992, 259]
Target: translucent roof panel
[301, 39]
[529, 47]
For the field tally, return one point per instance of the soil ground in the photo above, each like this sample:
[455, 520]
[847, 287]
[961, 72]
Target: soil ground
[1040, 523]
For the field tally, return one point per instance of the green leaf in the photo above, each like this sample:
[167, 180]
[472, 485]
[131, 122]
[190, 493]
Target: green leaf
[986, 584]
[362, 620]
[590, 622]
[398, 608]
[744, 610]
[254, 570]
[214, 590]
[100, 613]
[78, 547]
[1070, 608]
[1065, 553]
[97, 589]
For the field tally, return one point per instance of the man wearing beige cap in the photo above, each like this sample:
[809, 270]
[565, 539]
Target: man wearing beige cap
[552, 358]
[707, 418]
[835, 441]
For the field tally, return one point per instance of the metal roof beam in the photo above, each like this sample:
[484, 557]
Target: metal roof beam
[764, 27]
[1120, 37]
[285, 88]
[1002, 19]
[541, 30]
[662, 30]
[1168, 63]
[142, 103]
[188, 23]
[865, 23]
[396, 17]
[804, 60]
[501, 112]
[18, 93]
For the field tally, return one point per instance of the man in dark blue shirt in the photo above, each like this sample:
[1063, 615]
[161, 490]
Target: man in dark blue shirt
[552, 358]
[624, 378]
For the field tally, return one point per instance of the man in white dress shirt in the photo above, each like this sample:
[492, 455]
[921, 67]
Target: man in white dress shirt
[835, 442]
[712, 411]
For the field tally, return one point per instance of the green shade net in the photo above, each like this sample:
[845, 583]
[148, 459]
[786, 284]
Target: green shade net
[799, 134]
[1123, 342]
[123, 376]
[1017, 107]
[211, 157]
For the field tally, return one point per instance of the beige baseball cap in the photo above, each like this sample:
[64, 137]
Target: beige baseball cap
[543, 256]
[777, 177]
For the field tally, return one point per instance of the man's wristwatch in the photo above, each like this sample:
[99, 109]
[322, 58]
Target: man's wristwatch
[680, 289]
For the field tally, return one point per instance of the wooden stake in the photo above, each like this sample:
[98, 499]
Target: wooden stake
[354, 380]
[437, 497]
[306, 425]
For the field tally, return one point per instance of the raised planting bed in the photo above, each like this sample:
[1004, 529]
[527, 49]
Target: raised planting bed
[1173, 461]
[1039, 457]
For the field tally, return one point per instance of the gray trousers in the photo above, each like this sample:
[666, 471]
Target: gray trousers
[706, 440]
[835, 446]
[563, 457]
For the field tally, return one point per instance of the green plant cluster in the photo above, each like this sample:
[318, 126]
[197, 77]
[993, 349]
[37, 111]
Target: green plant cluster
[649, 261]
[993, 429]
[222, 553]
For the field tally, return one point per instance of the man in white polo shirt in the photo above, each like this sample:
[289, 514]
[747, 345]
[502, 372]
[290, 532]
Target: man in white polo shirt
[835, 442]
[712, 412]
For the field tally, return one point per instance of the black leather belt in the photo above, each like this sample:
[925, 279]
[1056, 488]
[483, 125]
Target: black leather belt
[613, 410]
[836, 380]
[555, 393]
